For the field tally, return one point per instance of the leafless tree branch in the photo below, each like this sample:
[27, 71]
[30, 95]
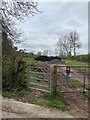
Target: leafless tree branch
[15, 10]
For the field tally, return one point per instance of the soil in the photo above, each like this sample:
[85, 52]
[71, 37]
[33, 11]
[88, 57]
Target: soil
[16, 109]
[76, 100]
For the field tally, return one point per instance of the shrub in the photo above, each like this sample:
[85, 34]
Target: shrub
[10, 78]
[81, 58]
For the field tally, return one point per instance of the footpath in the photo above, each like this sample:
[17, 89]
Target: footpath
[16, 109]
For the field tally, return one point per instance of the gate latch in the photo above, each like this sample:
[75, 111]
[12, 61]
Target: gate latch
[67, 72]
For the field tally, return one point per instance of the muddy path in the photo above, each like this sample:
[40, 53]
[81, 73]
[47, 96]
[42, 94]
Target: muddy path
[76, 100]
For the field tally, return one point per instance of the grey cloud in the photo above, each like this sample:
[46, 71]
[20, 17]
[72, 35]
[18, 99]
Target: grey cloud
[43, 30]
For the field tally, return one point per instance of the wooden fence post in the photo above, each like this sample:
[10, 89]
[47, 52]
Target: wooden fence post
[84, 80]
[54, 79]
[50, 78]
[28, 76]
[25, 73]
[23, 70]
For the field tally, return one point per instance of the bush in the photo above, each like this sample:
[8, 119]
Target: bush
[10, 78]
[6, 72]
[81, 58]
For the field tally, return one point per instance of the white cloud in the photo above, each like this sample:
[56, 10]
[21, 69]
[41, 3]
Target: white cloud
[43, 30]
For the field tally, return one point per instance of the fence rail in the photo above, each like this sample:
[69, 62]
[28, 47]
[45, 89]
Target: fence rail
[49, 78]
[39, 76]
[33, 78]
[78, 74]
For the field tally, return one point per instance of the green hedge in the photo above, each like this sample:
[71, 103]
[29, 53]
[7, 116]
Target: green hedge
[81, 58]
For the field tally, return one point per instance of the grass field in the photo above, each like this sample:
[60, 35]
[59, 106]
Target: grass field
[29, 60]
[72, 62]
[76, 63]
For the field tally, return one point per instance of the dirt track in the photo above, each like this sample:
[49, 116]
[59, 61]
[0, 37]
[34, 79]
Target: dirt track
[76, 100]
[16, 109]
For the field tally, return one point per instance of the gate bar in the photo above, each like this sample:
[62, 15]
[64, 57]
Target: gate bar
[39, 89]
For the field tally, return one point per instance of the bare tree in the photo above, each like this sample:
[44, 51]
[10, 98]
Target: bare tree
[56, 52]
[49, 52]
[74, 41]
[62, 46]
[68, 43]
[39, 53]
[45, 52]
[15, 10]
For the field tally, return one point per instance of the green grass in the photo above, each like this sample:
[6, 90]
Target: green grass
[13, 94]
[75, 63]
[72, 62]
[29, 60]
[53, 101]
[76, 83]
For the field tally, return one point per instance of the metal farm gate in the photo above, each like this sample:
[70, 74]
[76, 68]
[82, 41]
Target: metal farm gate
[72, 78]
[68, 79]
[39, 78]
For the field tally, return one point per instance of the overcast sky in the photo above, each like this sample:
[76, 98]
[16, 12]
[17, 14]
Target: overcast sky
[42, 31]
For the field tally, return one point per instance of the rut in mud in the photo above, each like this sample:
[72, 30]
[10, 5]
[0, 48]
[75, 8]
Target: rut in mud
[75, 99]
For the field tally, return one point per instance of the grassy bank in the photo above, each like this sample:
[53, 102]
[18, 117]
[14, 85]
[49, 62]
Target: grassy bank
[35, 97]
